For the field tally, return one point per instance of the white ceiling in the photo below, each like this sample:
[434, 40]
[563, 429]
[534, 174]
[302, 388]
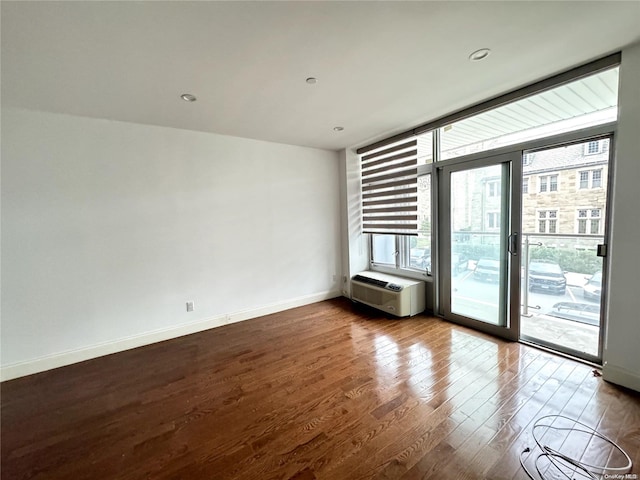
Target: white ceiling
[382, 67]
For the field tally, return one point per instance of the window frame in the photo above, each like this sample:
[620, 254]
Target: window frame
[599, 147]
[495, 224]
[588, 219]
[494, 188]
[527, 147]
[402, 243]
[547, 219]
[546, 180]
[590, 173]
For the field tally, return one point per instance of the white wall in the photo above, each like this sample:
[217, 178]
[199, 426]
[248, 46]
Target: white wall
[355, 253]
[622, 345]
[108, 228]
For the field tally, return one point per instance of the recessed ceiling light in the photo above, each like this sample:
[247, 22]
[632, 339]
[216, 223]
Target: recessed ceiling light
[338, 129]
[479, 54]
[311, 80]
[187, 97]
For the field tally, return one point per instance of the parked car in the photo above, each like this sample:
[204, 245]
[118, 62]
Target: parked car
[487, 270]
[593, 288]
[547, 277]
[418, 257]
[459, 263]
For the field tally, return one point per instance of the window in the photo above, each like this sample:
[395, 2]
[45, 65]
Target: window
[589, 221]
[592, 148]
[425, 148]
[419, 248]
[493, 188]
[383, 249]
[389, 186]
[548, 221]
[590, 179]
[582, 221]
[548, 183]
[527, 159]
[395, 218]
[584, 179]
[493, 220]
[403, 251]
[504, 125]
[596, 178]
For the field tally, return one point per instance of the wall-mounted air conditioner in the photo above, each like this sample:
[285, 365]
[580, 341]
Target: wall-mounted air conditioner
[396, 295]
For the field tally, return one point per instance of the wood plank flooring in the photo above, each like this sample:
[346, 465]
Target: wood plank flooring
[325, 391]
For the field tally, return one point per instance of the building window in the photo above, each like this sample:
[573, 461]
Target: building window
[589, 221]
[584, 179]
[592, 148]
[493, 188]
[527, 159]
[525, 185]
[590, 179]
[547, 221]
[493, 220]
[548, 183]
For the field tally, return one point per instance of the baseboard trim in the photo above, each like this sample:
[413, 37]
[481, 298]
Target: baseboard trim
[621, 376]
[49, 362]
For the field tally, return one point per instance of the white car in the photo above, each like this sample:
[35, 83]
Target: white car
[593, 288]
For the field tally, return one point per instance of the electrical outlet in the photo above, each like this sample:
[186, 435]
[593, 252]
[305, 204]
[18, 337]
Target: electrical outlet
[189, 306]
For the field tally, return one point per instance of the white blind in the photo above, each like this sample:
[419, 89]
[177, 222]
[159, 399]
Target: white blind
[390, 189]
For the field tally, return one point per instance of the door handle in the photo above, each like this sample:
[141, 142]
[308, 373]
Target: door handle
[513, 243]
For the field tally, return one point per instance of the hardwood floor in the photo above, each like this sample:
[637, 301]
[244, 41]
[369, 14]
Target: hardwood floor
[326, 391]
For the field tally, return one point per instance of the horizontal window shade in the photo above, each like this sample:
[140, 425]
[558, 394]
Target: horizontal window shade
[387, 218]
[387, 185]
[388, 161]
[386, 151]
[386, 229]
[393, 175]
[408, 163]
[389, 188]
[414, 208]
[374, 196]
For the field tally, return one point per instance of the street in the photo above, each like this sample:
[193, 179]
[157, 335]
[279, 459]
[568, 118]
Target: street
[479, 299]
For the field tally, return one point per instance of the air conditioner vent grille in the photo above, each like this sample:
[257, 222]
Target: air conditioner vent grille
[370, 281]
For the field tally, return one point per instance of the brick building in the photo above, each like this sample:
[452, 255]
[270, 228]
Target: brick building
[564, 192]
[565, 189]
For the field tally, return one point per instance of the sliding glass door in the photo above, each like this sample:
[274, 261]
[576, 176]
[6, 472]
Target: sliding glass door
[564, 212]
[479, 243]
[521, 240]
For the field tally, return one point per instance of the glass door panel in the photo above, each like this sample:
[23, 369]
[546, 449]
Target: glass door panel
[475, 270]
[563, 223]
[476, 230]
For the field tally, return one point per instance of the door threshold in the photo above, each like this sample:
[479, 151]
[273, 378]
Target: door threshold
[592, 363]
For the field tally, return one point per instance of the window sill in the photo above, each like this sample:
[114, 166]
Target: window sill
[402, 272]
